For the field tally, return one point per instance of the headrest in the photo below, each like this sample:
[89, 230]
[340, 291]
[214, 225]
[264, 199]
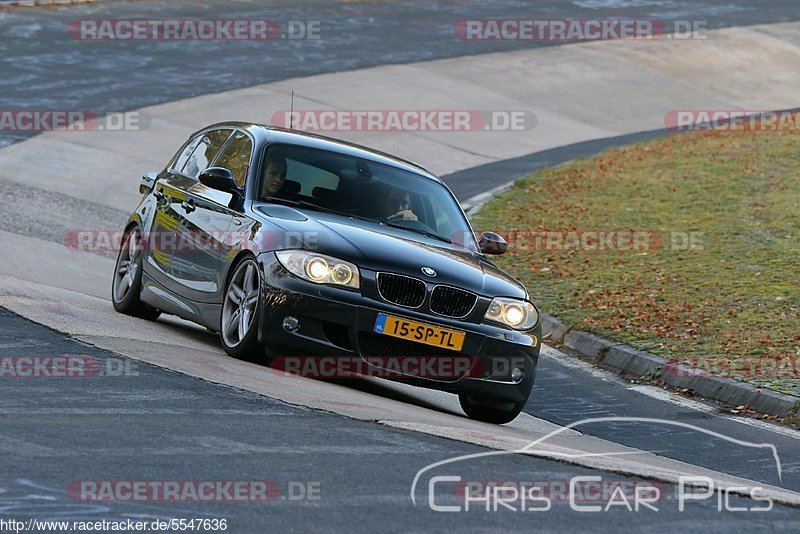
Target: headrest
[290, 186]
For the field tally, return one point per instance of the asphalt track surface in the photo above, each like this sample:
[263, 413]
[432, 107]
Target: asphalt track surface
[59, 430]
[44, 68]
[152, 424]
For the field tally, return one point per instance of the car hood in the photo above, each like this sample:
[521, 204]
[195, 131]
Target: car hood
[380, 248]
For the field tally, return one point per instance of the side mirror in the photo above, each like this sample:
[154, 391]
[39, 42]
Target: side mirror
[492, 243]
[148, 182]
[218, 178]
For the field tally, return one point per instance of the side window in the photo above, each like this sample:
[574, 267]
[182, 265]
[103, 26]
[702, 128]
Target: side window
[180, 159]
[204, 153]
[236, 157]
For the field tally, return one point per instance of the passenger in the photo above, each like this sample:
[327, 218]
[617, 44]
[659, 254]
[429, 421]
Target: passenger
[274, 173]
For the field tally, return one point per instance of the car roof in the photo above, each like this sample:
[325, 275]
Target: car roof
[274, 134]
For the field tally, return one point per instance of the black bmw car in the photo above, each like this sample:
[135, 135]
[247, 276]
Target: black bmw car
[291, 244]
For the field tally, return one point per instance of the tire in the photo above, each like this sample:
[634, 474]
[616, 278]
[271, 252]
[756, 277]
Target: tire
[126, 286]
[241, 312]
[490, 411]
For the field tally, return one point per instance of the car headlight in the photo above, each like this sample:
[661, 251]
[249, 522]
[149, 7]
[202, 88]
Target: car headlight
[319, 268]
[518, 314]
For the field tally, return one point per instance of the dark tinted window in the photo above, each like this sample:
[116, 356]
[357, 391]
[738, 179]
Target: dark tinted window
[236, 157]
[310, 177]
[367, 189]
[204, 153]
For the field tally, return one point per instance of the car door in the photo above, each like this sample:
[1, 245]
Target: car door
[169, 192]
[207, 219]
[190, 249]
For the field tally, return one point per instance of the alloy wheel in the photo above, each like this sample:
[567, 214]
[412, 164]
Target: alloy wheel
[241, 300]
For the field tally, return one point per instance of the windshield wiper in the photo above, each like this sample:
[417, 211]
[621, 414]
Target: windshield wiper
[300, 204]
[311, 206]
[418, 231]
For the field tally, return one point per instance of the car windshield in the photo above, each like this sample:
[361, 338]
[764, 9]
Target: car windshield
[366, 189]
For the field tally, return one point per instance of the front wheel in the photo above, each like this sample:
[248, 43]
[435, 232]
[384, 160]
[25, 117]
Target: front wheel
[490, 410]
[127, 284]
[240, 311]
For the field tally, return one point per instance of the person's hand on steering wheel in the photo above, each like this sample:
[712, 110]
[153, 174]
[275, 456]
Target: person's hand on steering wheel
[402, 215]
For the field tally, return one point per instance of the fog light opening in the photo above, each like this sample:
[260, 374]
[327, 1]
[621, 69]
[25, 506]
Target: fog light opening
[516, 374]
[290, 324]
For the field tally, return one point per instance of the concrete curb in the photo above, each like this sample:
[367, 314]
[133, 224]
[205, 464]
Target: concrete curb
[643, 364]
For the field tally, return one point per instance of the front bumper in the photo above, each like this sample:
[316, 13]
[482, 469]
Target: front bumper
[338, 322]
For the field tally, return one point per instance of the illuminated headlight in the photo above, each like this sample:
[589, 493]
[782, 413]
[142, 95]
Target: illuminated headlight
[319, 268]
[518, 314]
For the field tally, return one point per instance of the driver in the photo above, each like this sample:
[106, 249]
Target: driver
[274, 173]
[396, 205]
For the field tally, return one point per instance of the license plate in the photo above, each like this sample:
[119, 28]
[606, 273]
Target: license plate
[419, 332]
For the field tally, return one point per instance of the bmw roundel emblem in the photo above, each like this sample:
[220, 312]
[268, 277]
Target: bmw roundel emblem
[428, 271]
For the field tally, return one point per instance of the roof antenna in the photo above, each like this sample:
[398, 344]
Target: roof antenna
[291, 114]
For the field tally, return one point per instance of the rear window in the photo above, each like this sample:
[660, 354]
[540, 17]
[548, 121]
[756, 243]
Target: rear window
[310, 177]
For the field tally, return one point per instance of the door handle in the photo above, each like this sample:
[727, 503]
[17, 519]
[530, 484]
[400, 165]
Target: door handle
[188, 206]
[162, 199]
